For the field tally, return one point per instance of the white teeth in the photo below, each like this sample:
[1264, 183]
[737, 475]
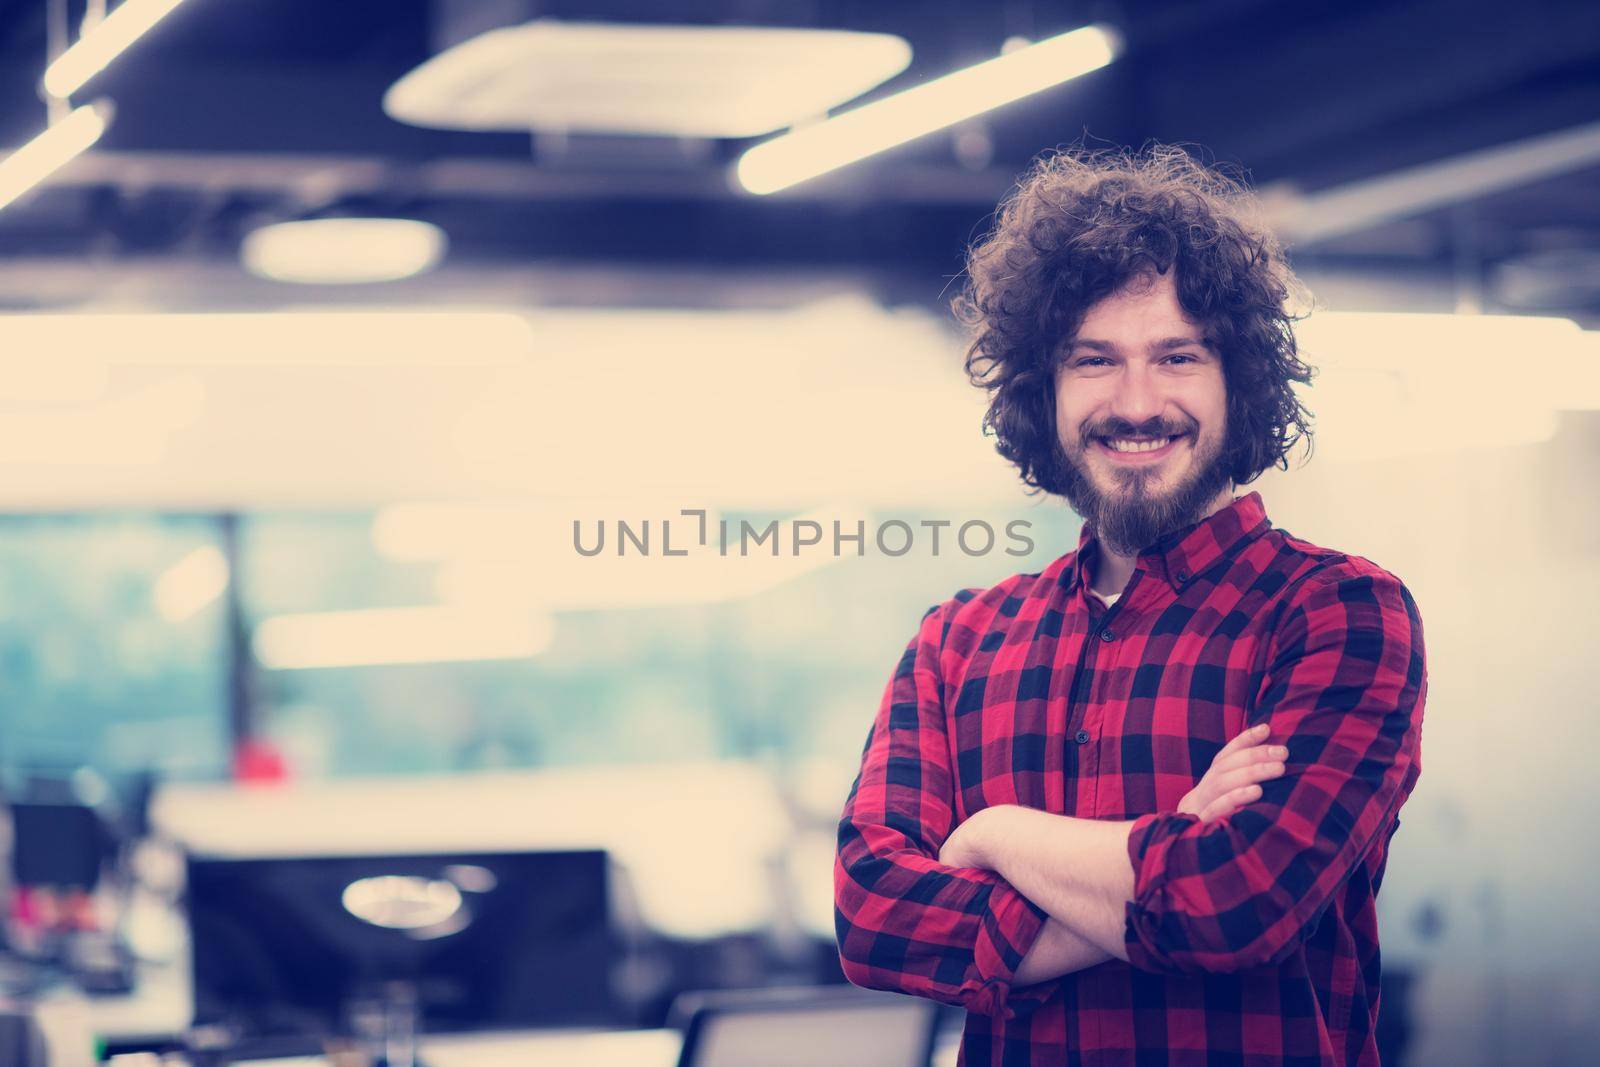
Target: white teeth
[1123, 445]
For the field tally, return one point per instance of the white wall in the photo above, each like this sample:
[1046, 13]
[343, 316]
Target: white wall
[1501, 549]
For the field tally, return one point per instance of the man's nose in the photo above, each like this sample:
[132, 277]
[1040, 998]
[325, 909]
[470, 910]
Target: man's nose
[1138, 397]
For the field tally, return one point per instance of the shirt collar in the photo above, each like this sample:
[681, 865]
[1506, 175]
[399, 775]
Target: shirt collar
[1181, 554]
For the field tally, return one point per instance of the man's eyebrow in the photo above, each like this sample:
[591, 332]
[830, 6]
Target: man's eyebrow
[1162, 345]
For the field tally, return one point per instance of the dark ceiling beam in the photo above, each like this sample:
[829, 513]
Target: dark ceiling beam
[322, 178]
[496, 211]
[1273, 99]
[1550, 105]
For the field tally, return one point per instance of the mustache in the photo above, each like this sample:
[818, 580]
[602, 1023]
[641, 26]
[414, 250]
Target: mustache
[1127, 429]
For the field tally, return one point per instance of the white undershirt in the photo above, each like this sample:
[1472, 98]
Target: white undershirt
[1109, 598]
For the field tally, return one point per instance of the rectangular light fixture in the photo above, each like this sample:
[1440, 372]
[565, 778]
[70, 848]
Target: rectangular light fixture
[100, 45]
[51, 150]
[343, 251]
[658, 80]
[883, 124]
[380, 636]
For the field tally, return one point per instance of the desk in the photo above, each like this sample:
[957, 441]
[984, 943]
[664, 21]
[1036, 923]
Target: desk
[588, 1048]
[617, 1048]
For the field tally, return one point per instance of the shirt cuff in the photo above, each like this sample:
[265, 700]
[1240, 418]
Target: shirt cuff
[1149, 841]
[1011, 924]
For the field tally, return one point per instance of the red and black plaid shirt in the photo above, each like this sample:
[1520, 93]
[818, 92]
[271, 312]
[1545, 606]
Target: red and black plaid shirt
[1253, 940]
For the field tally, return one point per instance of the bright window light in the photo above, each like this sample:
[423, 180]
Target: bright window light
[661, 80]
[1391, 385]
[130, 429]
[895, 120]
[190, 584]
[908, 408]
[376, 636]
[343, 251]
[51, 150]
[274, 338]
[99, 46]
[56, 383]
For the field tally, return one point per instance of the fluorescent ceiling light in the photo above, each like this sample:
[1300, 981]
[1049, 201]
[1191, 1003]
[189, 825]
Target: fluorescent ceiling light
[669, 81]
[883, 124]
[377, 636]
[100, 45]
[51, 150]
[343, 251]
[274, 338]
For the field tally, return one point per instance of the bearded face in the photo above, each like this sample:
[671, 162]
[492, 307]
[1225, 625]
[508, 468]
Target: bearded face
[1141, 414]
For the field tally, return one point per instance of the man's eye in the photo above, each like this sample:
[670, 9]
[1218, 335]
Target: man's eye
[1088, 360]
[1183, 355]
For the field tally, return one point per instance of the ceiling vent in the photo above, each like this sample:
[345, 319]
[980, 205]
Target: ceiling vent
[659, 80]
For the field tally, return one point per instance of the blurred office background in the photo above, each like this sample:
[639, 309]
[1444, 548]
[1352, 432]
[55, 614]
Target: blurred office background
[287, 565]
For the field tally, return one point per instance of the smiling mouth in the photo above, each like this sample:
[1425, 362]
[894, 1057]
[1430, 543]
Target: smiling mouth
[1138, 450]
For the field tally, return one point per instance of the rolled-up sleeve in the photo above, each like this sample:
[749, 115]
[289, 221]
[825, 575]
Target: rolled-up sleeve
[905, 922]
[1343, 689]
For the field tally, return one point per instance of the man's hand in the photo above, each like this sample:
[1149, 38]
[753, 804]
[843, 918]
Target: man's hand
[1232, 781]
[1078, 870]
[1234, 777]
[961, 848]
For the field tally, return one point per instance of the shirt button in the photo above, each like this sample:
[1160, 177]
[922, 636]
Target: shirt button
[1183, 576]
[1107, 635]
[1082, 737]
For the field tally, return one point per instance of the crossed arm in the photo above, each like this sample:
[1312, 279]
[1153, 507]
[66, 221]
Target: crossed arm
[1076, 870]
[974, 913]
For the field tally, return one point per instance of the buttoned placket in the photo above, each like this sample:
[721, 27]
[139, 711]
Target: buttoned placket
[1082, 727]
[1102, 637]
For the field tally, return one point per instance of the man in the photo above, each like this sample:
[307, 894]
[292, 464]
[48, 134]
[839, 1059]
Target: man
[1027, 838]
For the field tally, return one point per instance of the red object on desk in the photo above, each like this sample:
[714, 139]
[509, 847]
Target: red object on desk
[257, 761]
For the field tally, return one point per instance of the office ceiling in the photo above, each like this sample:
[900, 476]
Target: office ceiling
[241, 112]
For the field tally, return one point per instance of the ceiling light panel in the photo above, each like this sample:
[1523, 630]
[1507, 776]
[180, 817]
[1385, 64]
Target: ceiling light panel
[105, 41]
[674, 81]
[343, 251]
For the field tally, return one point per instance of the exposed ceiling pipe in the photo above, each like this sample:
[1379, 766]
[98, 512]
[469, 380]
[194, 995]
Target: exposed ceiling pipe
[1306, 219]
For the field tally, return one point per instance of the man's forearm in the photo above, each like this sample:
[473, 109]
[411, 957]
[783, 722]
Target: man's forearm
[1057, 951]
[1076, 870]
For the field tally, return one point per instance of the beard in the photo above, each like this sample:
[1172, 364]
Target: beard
[1131, 517]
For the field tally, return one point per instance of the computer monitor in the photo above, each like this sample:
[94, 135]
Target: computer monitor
[58, 844]
[285, 948]
[800, 1027]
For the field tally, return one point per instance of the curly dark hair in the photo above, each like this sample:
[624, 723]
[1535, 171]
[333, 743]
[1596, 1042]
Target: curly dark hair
[1080, 225]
